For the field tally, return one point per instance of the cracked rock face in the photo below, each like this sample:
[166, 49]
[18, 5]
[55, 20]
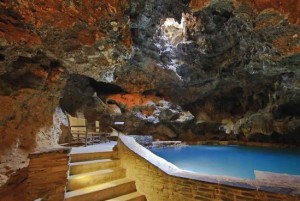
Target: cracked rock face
[233, 64]
[189, 70]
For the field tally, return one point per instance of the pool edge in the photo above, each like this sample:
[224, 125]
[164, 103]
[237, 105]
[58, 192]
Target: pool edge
[172, 170]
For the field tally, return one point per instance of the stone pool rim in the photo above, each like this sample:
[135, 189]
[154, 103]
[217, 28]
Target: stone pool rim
[172, 170]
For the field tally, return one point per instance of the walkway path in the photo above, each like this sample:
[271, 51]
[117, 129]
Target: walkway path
[94, 148]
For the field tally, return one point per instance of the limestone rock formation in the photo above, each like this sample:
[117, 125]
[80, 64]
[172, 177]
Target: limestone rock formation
[83, 35]
[41, 44]
[235, 60]
[181, 69]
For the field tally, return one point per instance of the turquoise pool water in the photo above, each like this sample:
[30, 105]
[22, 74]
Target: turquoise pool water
[236, 161]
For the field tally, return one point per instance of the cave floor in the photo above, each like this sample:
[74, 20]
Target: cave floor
[94, 148]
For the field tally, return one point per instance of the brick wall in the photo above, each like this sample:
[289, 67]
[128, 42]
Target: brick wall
[47, 174]
[161, 182]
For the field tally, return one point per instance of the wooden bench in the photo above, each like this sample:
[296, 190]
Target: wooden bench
[78, 128]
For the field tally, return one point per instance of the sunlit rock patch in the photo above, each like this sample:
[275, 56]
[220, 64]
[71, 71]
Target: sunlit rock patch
[131, 100]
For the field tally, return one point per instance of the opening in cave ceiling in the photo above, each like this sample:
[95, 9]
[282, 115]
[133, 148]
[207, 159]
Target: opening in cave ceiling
[171, 33]
[174, 32]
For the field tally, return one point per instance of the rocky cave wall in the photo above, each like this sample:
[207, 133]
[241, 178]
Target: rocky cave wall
[42, 43]
[189, 70]
[233, 64]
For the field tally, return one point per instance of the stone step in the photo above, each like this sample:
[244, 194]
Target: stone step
[104, 191]
[90, 166]
[93, 156]
[93, 178]
[135, 196]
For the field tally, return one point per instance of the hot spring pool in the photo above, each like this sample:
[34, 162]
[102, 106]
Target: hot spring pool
[236, 161]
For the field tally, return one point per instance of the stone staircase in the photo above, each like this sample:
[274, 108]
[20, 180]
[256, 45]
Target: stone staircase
[98, 176]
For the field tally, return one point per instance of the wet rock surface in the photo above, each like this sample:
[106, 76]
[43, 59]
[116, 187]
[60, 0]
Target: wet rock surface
[176, 70]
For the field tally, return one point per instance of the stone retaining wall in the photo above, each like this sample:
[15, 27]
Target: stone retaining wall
[47, 174]
[162, 181]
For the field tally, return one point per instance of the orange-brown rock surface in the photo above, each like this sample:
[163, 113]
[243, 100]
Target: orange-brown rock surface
[132, 100]
[41, 43]
[21, 19]
[81, 33]
[220, 70]
[27, 116]
[289, 8]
